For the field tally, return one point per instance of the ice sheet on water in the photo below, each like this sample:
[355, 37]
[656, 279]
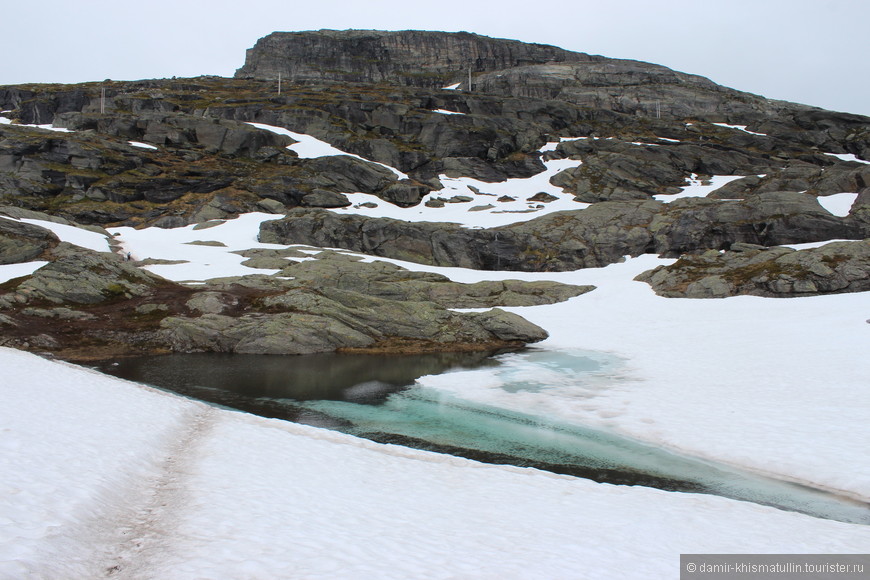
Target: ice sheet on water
[446, 420]
[537, 370]
[533, 374]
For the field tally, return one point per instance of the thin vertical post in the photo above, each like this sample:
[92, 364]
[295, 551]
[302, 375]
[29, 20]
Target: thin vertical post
[279, 83]
[103, 100]
[469, 78]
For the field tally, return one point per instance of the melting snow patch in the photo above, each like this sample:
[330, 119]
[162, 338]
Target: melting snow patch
[513, 203]
[452, 87]
[49, 127]
[446, 112]
[73, 235]
[308, 147]
[847, 157]
[199, 262]
[12, 271]
[142, 145]
[838, 204]
[551, 146]
[740, 128]
[698, 188]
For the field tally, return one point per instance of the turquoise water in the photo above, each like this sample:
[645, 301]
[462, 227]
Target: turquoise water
[445, 422]
[379, 398]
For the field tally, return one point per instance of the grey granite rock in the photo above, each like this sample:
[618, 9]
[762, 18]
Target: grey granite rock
[833, 268]
[22, 242]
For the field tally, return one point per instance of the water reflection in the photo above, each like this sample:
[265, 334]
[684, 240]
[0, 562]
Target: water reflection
[266, 384]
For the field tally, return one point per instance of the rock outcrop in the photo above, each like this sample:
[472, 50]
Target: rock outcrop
[109, 306]
[776, 272]
[303, 322]
[391, 282]
[77, 277]
[599, 235]
[22, 242]
[510, 68]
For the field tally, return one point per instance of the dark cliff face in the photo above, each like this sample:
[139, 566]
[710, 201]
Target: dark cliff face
[410, 57]
[501, 67]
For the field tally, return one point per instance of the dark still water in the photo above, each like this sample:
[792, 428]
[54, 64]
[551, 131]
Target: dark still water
[277, 386]
[377, 397]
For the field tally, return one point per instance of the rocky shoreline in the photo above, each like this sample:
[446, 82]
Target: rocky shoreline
[85, 304]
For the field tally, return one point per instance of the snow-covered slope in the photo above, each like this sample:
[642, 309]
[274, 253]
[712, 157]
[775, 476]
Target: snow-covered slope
[107, 479]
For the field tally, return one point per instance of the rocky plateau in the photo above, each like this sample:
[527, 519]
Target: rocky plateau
[173, 152]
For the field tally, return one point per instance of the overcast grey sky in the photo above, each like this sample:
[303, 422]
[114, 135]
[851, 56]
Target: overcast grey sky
[815, 52]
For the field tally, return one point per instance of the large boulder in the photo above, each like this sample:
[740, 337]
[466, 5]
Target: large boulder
[601, 234]
[597, 236]
[615, 169]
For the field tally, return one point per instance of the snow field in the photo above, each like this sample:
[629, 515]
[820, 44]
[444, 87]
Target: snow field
[142, 145]
[10, 271]
[847, 157]
[740, 128]
[485, 210]
[72, 234]
[49, 127]
[76, 449]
